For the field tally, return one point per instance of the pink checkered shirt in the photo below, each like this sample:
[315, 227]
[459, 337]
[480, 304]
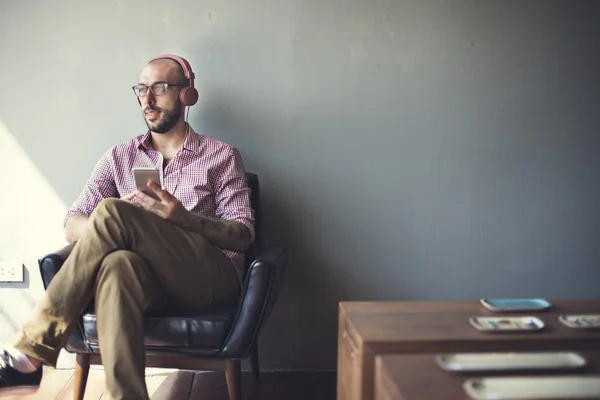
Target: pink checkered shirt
[207, 176]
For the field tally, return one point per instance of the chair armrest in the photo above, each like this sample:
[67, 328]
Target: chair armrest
[51, 263]
[259, 293]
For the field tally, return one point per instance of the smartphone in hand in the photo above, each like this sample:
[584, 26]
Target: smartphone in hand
[142, 176]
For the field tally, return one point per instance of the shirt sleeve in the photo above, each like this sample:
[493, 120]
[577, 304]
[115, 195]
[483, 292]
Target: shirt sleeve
[100, 185]
[232, 194]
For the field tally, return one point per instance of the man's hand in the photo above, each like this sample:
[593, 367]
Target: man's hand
[168, 207]
[129, 197]
[231, 235]
[75, 227]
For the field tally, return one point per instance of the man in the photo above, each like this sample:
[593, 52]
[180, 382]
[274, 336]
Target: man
[133, 252]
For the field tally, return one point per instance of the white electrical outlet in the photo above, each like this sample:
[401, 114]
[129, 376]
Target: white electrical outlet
[11, 271]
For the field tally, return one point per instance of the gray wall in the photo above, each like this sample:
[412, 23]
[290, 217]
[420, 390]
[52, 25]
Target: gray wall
[408, 150]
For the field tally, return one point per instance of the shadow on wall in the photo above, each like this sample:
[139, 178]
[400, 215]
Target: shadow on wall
[302, 330]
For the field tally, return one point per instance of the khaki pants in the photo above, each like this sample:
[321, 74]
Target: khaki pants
[129, 260]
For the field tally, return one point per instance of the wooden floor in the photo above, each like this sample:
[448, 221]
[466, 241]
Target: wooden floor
[169, 384]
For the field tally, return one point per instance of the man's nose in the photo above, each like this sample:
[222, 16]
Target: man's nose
[149, 98]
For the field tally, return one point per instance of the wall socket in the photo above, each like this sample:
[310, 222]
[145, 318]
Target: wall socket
[11, 271]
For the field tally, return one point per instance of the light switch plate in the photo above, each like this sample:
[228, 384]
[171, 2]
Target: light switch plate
[11, 271]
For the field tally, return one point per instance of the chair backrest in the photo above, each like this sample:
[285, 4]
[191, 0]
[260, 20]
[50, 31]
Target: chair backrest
[254, 250]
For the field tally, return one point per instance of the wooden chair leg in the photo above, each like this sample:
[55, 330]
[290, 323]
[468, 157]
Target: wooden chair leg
[233, 374]
[254, 361]
[82, 369]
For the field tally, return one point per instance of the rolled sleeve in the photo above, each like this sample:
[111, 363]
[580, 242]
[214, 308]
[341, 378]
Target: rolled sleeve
[232, 194]
[100, 185]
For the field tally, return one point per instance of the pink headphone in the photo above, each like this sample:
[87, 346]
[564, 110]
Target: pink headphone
[187, 95]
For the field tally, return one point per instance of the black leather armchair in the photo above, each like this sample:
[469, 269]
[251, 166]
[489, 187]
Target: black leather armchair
[204, 340]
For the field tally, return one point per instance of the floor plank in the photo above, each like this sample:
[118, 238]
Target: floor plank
[93, 391]
[171, 384]
[284, 385]
[209, 386]
[174, 385]
[53, 383]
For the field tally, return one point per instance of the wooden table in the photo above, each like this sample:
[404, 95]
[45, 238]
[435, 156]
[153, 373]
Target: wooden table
[368, 329]
[418, 377]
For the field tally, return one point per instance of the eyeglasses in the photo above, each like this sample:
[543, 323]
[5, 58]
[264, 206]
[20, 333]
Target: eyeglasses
[158, 88]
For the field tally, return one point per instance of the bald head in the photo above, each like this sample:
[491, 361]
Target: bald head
[170, 69]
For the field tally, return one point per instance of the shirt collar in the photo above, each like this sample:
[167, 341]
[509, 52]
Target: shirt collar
[191, 141]
[144, 141]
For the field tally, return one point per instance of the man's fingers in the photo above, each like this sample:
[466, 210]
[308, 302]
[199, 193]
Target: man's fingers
[162, 194]
[145, 200]
[148, 203]
[129, 196]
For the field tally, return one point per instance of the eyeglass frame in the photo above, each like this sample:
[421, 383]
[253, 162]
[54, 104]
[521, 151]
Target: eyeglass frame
[149, 87]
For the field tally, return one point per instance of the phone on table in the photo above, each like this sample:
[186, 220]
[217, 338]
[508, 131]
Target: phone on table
[142, 176]
[515, 305]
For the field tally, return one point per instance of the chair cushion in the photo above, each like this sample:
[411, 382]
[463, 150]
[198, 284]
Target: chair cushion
[207, 330]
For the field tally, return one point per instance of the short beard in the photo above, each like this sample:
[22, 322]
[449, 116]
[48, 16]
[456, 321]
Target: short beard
[169, 120]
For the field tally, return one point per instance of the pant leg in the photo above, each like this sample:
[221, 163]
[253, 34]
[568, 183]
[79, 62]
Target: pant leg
[125, 289]
[192, 273]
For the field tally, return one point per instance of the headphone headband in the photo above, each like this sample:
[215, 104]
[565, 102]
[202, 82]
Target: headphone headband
[188, 95]
[187, 69]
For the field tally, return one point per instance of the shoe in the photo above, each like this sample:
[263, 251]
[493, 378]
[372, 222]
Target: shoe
[13, 381]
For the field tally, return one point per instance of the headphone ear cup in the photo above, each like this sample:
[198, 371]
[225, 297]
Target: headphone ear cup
[188, 96]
